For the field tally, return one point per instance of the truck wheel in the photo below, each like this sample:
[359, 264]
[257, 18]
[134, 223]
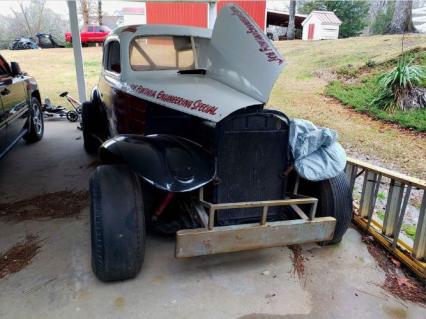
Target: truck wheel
[35, 122]
[89, 118]
[117, 223]
[334, 199]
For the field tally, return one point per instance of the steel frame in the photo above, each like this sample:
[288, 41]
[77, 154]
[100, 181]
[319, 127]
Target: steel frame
[223, 239]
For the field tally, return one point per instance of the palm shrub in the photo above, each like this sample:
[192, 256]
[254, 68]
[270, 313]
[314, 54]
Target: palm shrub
[393, 86]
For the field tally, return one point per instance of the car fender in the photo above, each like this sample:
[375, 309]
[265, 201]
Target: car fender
[168, 162]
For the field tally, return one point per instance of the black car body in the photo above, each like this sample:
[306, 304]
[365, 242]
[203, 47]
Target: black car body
[20, 111]
[23, 44]
[46, 41]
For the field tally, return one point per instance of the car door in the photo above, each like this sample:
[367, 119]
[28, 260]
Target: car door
[2, 130]
[13, 96]
[91, 35]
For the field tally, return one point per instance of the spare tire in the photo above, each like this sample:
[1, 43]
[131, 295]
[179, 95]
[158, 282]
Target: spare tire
[117, 223]
[334, 199]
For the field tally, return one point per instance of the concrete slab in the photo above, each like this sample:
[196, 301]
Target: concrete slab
[340, 282]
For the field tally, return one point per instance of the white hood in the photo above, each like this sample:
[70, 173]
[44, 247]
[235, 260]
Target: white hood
[242, 66]
[242, 56]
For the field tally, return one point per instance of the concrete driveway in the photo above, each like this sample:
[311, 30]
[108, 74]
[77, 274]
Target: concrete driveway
[339, 282]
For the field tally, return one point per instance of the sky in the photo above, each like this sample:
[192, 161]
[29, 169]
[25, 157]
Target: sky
[61, 7]
[109, 6]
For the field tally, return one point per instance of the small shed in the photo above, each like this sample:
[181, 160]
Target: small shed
[321, 25]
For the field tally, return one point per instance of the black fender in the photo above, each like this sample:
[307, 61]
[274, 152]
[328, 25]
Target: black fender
[168, 162]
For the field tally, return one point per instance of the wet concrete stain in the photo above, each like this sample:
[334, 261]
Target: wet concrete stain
[395, 312]
[119, 303]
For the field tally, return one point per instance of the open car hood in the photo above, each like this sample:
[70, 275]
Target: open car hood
[242, 67]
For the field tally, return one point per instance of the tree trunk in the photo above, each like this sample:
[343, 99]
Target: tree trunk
[85, 10]
[100, 12]
[291, 20]
[402, 17]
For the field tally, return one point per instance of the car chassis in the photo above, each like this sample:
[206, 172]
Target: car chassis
[210, 165]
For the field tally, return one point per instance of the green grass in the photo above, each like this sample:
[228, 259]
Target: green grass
[359, 96]
[409, 230]
[380, 215]
[381, 195]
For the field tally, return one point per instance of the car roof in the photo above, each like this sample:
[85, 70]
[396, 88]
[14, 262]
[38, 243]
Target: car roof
[163, 29]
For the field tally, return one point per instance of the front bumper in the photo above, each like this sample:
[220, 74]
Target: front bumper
[214, 240]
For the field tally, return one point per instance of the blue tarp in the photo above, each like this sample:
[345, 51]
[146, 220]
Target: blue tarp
[316, 152]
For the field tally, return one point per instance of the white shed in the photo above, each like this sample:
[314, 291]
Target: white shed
[321, 25]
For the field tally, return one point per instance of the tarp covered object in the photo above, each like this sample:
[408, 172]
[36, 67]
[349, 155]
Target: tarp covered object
[316, 152]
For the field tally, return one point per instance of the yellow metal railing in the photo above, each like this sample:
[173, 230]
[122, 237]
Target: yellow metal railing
[372, 185]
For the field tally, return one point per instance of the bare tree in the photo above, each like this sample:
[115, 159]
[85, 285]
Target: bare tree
[402, 20]
[100, 12]
[377, 7]
[291, 20]
[30, 17]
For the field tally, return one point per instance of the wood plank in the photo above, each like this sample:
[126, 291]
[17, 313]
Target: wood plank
[198, 242]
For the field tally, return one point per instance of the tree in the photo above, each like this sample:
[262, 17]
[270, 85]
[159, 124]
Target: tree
[291, 20]
[379, 24]
[352, 13]
[100, 12]
[29, 19]
[377, 10]
[87, 8]
[402, 20]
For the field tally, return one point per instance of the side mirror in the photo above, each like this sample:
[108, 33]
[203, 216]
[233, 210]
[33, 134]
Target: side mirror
[15, 68]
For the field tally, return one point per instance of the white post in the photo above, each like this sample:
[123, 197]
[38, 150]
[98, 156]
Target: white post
[211, 14]
[78, 54]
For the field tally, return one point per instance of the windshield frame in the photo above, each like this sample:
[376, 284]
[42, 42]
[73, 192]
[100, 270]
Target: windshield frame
[134, 44]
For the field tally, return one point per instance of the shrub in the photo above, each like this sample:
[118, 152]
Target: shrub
[392, 84]
[370, 63]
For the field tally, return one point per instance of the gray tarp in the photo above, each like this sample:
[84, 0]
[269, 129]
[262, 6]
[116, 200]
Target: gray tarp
[317, 154]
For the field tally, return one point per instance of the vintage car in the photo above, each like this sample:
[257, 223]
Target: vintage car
[20, 107]
[188, 148]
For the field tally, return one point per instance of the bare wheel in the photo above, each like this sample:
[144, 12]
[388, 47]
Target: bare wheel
[117, 223]
[35, 122]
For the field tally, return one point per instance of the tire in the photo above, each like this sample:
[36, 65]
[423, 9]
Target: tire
[89, 117]
[334, 199]
[35, 122]
[117, 223]
[72, 116]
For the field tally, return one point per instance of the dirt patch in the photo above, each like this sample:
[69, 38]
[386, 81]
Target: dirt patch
[399, 281]
[331, 75]
[47, 206]
[298, 261]
[19, 256]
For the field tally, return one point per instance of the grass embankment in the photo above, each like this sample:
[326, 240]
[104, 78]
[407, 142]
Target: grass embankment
[300, 92]
[358, 87]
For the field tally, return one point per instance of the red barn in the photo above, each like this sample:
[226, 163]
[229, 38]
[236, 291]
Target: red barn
[199, 14]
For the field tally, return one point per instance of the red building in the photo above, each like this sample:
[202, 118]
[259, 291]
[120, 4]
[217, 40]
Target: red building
[199, 14]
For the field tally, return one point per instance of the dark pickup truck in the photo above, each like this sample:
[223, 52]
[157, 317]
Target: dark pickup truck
[20, 107]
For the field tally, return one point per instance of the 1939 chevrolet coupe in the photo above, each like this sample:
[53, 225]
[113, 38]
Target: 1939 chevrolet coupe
[188, 148]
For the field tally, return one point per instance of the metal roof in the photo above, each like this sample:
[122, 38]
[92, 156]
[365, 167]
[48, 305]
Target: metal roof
[326, 17]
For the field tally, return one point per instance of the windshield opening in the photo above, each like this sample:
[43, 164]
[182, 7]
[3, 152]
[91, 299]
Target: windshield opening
[161, 53]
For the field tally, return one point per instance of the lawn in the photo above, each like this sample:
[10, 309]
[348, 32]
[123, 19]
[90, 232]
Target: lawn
[299, 91]
[54, 69]
[357, 88]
